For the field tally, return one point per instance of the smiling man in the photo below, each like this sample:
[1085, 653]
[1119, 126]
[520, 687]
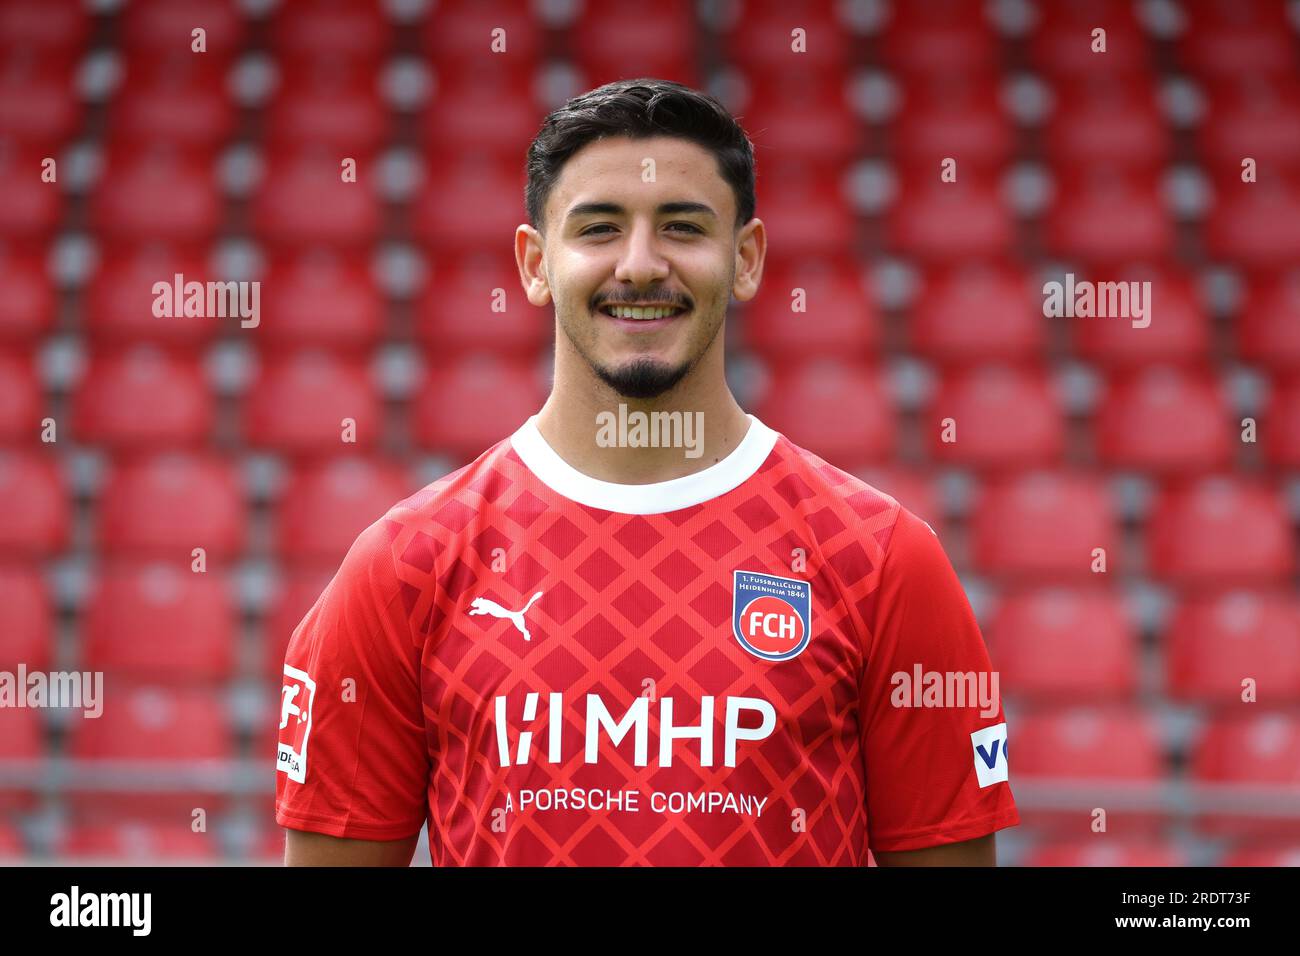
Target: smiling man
[578, 651]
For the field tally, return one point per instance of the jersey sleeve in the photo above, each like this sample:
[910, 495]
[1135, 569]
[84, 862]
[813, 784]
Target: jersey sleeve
[935, 751]
[353, 758]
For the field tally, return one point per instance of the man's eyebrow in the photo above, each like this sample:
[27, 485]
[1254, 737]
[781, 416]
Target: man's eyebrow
[665, 209]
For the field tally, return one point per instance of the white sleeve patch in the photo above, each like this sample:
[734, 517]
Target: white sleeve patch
[296, 698]
[990, 746]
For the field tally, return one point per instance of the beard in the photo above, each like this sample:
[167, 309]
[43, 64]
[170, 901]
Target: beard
[639, 378]
[642, 378]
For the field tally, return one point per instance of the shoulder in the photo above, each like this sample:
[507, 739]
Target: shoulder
[831, 496]
[402, 545]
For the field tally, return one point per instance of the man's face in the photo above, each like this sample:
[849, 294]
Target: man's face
[622, 231]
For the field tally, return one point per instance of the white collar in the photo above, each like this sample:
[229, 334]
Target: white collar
[655, 498]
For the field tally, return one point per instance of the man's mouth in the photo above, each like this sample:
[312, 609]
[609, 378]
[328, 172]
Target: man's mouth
[632, 313]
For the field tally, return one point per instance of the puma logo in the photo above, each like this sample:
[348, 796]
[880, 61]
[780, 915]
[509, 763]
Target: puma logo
[484, 606]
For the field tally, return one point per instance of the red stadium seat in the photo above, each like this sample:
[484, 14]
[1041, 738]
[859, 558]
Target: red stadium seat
[120, 297]
[300, 400]
[160, 25]
[21, 402]
[954, 35]
[1044, 525]
[177, 97]
[269, 846]
[797, 114]
[838, 410]
[1062, 41]
[147, 730]
[952, 114]
[158, 192]
[1281, 438]
[1178, 330]
[293, 599]
[457, 309]
[51, 26]
[329, 503]
[161, 622]
[137, 841]
[760, 38]
[165, 505]
[1166, 420]
[1268, 325]
[471, 403]
[331, 30]
[318, 297]
[330, 102]
[303, 199]
[805, 208]
[24, 733]
[37, 516]
[1108, 213]
[1107, 119]
[27, 307]
[22, 742]
[1214, 643]
[38, 101]
[154, 730]
[1255, 224]
[29, 208]
[978, 312]
[11, 843]
[1234, 37]
[1107, 757]
[493, 111]
[142, 397]
[624, 38]
[1259, 752]
[944, 221]
[1104, 850]
[29, 619]
[1057, 644]
[839, 316]
[914, 490]
[1221, 531]
[1264, 854]
[470, 201]
[1252, 116]
[1006, 418]
[459, 33]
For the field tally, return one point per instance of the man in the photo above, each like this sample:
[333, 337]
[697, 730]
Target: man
[645, 628]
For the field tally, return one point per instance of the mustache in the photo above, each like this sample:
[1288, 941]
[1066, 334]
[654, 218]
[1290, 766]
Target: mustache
[644, 303]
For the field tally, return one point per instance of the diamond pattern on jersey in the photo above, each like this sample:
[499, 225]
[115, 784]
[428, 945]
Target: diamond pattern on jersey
[639, 605]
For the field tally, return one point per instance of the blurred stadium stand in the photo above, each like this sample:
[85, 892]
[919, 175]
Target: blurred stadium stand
[1123, 687]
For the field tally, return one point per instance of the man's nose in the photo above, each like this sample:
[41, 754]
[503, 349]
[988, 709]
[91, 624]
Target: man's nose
[641, 262]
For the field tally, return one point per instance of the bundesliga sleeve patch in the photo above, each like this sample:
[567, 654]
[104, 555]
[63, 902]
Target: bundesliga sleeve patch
[770, 616]
[296, 697]
[990, 754]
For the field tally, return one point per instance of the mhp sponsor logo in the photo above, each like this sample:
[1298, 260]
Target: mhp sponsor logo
[771, 616]
[990, 754]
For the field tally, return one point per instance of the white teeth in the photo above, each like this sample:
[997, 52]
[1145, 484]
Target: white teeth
[624, 312]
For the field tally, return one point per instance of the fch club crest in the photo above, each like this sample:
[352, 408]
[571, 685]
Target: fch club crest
[771, 616]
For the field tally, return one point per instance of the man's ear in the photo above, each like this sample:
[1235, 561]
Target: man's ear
[751, 251]
[530, 247]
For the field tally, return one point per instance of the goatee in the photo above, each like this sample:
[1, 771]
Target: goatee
[643, 378]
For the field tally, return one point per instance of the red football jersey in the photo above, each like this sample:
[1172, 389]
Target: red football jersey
[743, 666]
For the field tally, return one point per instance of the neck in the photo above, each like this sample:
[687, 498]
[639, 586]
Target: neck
[582, 415]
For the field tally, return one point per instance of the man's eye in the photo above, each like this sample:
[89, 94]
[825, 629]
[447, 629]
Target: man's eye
[689, 227]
